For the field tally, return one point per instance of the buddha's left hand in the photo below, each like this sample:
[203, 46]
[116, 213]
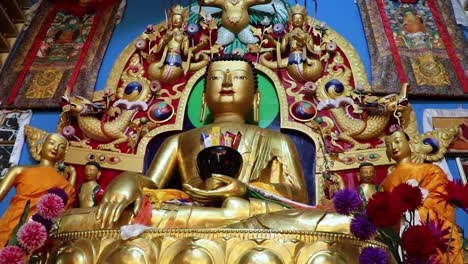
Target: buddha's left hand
[231, 188]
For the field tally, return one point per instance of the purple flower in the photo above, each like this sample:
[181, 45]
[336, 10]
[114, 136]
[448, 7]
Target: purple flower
[346, 201]
[362, 228]
[60, 192]
[371, 255]
[47, 223]
[192, 29]
[440, 233]
[278, 28]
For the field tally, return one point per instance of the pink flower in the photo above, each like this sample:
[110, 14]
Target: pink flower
[68, 131]
[12, 255]
[50, 206]
[32, 235]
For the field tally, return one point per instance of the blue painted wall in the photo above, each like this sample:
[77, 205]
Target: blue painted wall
[342, 15]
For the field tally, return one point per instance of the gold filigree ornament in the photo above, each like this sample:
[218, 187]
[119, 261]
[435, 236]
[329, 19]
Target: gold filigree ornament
[429, 71]
[44, 84]
[134, 73]
[432, 146]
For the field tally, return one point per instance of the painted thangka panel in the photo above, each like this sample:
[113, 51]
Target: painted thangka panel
[62, 48]
[417, 43]
[11, 137]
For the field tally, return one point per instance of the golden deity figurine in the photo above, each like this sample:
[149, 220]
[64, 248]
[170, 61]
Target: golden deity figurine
[299, 46]
[366, 179]
[234, 19]
[270, 158]
[175, 44]
[32, 182]
[90, 191]
[431, 179]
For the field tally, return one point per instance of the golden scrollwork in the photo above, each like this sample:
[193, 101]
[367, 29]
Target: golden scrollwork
[44, 84]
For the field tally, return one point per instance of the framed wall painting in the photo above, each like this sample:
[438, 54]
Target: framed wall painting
[415, 42]
[12, 137]
[462, 164]
[62, 49]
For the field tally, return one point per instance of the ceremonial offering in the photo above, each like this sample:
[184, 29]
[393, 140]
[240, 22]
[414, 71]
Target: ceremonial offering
[220, 155]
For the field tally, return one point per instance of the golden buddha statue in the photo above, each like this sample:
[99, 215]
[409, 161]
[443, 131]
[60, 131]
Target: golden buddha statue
[270, 159]
[179, 233]
[429, 177]
[32, 182]
[299, 45]
[366, 179]
[90, 191]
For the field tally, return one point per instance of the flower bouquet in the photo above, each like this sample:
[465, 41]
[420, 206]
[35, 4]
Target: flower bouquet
[30, 237]
[392, 218]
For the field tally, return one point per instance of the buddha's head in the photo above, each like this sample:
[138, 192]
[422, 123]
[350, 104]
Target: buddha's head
[231, 86]
[178, 15]
[53, 148]
[366, 173]
[92, 171]
[297, 14]
[398, 146]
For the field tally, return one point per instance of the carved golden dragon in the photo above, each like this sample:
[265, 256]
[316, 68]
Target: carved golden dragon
[369, 119]
[95, 128]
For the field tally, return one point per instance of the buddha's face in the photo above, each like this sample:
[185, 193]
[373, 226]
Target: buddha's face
[53, 148]
[230, 88]
[177, 21]
[397, 146]
[367, 174]
[92, 173]
[297, 20]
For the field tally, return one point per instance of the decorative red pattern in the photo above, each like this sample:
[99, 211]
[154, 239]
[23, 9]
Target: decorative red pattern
[77, 10]
[84, 51]
[391, 42]
[32, 57]
[448, 46]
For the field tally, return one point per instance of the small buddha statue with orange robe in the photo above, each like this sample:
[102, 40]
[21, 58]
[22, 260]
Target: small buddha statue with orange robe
[32, 182]
[431, 179]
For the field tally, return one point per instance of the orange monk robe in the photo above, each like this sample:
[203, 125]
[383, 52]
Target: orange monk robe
[31, 184]
[432, 178]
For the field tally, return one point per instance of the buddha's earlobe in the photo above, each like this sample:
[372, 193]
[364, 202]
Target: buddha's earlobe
[203, 107]
[256, 107]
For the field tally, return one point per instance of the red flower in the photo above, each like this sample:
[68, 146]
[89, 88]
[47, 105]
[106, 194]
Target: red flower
[12, 255]
[418, 243]
[382, 210]
[409, 197]
[455, 194]
[32, 235]
[50, 206]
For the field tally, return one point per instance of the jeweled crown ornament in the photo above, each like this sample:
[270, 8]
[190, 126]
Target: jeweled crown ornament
[180, 10]
[297, 9]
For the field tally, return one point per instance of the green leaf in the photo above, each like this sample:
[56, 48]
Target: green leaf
[14, 238]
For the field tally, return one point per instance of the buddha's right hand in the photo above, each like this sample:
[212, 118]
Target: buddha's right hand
[124, 190]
